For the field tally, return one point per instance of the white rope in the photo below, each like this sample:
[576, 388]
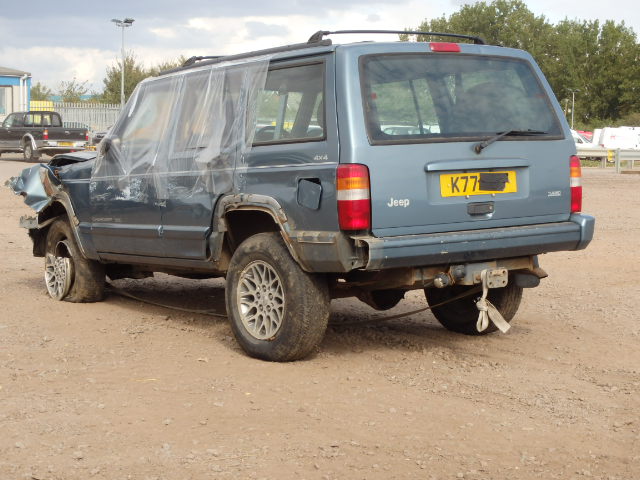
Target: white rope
[488, 311]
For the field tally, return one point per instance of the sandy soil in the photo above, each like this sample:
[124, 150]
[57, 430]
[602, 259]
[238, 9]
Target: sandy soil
[125, 390]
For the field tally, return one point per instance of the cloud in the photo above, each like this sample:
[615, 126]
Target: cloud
[164, 32]
[259, 29]
[60, 64]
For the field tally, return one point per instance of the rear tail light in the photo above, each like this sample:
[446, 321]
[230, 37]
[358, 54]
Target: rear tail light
[576, 184]
[444, 47]
[45, 134]
[354, 199]
[86, 135]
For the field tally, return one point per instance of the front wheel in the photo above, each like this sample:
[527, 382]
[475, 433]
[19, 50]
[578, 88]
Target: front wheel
[277, 311]
[461, 315]
[68, 274]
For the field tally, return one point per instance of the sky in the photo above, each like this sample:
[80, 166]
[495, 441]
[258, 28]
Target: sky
[66, 39]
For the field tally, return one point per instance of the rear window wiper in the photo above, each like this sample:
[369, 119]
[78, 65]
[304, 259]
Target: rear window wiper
[478, 147]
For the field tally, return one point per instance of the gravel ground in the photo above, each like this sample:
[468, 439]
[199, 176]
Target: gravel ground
[125, 390]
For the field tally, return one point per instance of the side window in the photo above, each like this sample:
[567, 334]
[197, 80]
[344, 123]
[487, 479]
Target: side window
[291, 106]
[193, 117]
[139, 136]
[190, 134]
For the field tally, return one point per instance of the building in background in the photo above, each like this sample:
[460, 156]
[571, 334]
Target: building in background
[15, 88]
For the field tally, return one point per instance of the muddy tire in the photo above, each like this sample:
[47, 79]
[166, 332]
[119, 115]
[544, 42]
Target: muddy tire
[461, 315]
[277, 311]
[29, 154]
[69, 276]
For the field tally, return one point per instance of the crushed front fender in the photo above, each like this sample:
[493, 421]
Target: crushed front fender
[31, 185]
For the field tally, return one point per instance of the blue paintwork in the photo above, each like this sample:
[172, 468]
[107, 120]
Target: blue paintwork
[430, 230]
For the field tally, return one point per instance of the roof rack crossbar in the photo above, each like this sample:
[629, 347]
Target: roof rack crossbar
[191, 60]
[318, 36]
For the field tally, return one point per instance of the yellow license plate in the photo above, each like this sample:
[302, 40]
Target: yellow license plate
[65, 144]
[477, 183]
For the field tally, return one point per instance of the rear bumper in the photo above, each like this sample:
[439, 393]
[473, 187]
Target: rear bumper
[478, 245]
[78, 146]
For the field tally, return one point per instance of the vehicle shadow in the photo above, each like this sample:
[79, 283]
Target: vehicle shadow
[195, 302]
[353, 326]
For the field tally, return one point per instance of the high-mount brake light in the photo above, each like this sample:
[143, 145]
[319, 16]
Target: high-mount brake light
[354, 199]
[575, 177]
[444, 47]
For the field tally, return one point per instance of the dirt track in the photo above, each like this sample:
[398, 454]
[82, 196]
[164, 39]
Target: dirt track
[122, 389]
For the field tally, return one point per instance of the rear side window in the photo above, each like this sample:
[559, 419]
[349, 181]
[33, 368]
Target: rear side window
[422, 97]
[42, 119]
[291, 106]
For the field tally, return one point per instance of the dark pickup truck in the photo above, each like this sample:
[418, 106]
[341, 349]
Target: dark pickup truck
[35, 133]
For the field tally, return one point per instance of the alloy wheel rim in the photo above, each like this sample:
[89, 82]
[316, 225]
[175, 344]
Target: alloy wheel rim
[58, 274]
[260, 300]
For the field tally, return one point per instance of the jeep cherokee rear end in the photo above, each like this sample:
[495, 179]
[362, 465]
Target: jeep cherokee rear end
[438, 195]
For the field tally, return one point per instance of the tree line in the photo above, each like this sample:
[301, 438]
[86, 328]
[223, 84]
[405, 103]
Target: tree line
[597, 61]
[74, 91]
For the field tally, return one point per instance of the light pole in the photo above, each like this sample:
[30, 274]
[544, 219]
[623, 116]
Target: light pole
[127, 22]
[573, 103]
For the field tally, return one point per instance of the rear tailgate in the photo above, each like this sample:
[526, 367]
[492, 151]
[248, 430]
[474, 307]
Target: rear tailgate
[62, 134]
[436, 174]
[425, 193]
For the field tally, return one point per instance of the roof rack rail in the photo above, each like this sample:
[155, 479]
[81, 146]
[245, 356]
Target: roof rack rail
[210, 60]
[191, 60]
[318, 36]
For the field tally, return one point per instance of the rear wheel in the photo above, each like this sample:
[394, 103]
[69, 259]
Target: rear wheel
[29, 154]
[277, 311]
[68, 274]
[461, 315]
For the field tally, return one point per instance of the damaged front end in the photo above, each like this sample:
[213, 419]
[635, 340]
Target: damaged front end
[31, 185]
[42, 190]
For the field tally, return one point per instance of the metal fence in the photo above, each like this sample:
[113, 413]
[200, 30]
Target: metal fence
[95, 116]
[617, 156]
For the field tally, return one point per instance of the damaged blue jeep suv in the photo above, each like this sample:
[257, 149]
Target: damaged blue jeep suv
[315, 171]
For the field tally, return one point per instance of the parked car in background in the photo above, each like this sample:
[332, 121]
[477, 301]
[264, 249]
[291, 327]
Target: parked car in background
[624, 138]
[40, 132]
[579, 138]
[96, 137]
[586, 134]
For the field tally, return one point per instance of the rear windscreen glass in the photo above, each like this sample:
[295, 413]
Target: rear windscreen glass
[422, 97]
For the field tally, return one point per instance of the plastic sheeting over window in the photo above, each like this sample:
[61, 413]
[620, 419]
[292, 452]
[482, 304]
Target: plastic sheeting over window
[181, 134]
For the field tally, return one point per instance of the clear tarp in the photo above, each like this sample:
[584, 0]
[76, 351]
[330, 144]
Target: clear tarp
[182, 133]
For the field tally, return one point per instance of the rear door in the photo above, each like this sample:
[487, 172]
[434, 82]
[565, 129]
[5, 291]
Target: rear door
[427, 116]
